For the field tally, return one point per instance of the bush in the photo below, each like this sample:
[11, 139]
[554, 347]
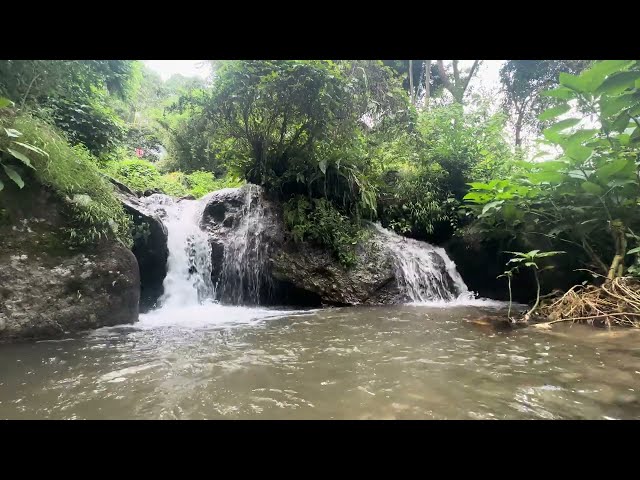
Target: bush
[72, 173]
[321, 223]
[142, 175]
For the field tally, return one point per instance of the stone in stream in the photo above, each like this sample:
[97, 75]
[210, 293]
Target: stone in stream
[149, 247]
[255, 261]
[47, 289]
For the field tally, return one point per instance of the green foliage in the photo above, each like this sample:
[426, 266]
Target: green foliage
[72, 174]
[13, 148]
[589, 196]
[319, 222]
[143, 176]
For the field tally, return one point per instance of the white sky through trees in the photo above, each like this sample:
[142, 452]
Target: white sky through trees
[488, 75]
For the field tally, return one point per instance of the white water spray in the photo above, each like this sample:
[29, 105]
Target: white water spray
[188, 280]
[424, 272]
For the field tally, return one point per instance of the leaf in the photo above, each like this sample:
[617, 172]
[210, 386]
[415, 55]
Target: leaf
[563, 125]
[599, 71]
[531, 264]
[578, 152]
[33, 148]
[574, 82]
[580, 137]
[612, 106]
[22, 157]
[550, 253]
[12, 132]
[13, 175]
[618, 83]
[621, 123]
[563, 93]
[323, 166]
[545, 177]
[1, 185]
[5, 102]
[633, 250]
[491, 205]
[592, 188]
[611, 168]
[532, 253]
[554, 112]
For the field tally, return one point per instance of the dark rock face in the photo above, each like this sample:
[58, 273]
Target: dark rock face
[150, 248]
[285, 272]
[371, 281]
[46, 289]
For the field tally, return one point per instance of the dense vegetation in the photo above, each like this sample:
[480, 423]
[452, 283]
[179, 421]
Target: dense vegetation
[411, 144]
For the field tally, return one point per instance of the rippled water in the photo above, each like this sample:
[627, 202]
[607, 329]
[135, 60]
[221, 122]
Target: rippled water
[402, 362]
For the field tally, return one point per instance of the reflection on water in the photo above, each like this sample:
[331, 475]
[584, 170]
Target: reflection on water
[401, 362]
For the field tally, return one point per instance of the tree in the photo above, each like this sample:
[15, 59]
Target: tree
[586, 199]
[522, 83]
[456, 83]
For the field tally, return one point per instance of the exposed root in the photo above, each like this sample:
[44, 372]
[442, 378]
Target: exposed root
[616, 302]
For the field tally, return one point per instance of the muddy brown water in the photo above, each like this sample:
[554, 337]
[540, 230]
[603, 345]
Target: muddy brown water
[400, 362]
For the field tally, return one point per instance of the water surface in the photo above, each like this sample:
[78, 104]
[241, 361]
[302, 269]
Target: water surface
[400, 362]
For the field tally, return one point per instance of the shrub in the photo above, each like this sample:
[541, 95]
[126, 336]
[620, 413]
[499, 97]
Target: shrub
[72, 173]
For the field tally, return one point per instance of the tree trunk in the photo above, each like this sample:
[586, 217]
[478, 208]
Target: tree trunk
[411, 95]
[617, 265]
[427, 80]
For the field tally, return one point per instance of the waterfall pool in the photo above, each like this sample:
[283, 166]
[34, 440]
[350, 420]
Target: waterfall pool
[397, 362]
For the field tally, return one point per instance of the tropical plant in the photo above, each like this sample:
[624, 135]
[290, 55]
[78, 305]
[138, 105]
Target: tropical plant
[528, 259]
[587, 197]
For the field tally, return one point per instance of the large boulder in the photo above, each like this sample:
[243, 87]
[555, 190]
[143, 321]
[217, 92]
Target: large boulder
[46, 288]
[254, 259]
[149, 247]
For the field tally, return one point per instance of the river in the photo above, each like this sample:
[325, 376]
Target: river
[398, 362]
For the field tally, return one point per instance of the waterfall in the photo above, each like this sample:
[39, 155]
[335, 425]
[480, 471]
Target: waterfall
[244, 278]
[188, 280]
[424, 272]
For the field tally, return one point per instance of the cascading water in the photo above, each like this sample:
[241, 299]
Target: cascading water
[424, 272]
[244, 277]
[188, 280]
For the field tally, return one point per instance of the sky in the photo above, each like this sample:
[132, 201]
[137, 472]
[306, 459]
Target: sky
[487, 75]
[188, 68]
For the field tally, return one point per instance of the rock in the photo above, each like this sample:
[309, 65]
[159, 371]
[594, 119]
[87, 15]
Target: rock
[47, 289]
[289, 272]
[150, 248]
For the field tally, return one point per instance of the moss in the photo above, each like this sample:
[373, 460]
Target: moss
[88, 199]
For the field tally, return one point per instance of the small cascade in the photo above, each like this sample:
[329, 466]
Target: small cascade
[188, 280]
[244, 277]
[424, 272]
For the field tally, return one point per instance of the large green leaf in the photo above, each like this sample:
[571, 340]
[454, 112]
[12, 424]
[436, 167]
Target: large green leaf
[13, 175]
[611, 168]
[621, 123]
[21, 156]
[578, 152]
[618, 83]
[554, 112]
[592, 188]
[323, 166]
[563, 125]
[5, 102]
[633, 250]
[563, 93]
[612, 106]
[574, 82]
[580, 137]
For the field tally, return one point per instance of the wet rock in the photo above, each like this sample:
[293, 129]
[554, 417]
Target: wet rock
[149, 247]
[294, 273]
[46, 288]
